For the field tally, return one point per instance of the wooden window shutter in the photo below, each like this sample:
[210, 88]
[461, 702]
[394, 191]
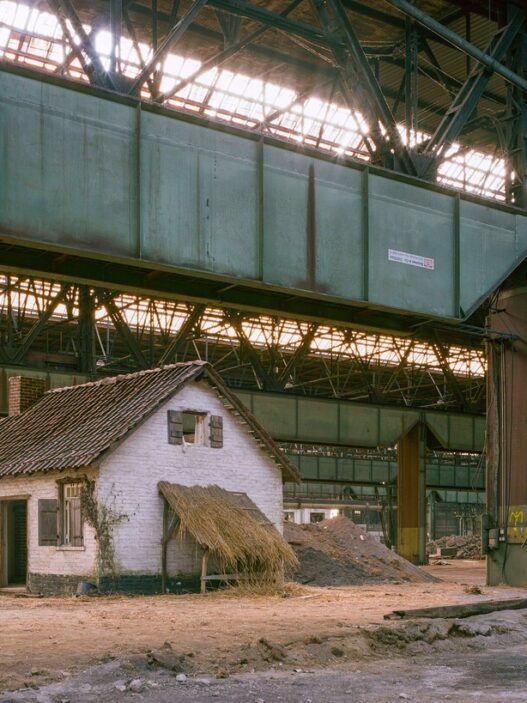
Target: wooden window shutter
[216, 431]
[76, 522]
[47, 522]
[175, 427]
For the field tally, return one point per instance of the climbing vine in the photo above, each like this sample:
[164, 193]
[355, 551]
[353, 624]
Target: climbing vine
[103, 519]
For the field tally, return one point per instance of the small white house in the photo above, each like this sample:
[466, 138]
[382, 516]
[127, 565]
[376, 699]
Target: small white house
[80, 471]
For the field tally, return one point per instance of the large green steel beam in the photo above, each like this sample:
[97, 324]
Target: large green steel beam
[292, 418]
[441, 475]
[174, 206]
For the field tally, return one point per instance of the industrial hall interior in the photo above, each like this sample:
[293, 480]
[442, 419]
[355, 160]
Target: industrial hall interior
[263, 351]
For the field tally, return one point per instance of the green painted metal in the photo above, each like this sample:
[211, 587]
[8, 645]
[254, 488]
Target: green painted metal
[86, 172]
[363, 471]
[291, 418]
[507, 565]
[311, 490]
[299, 419]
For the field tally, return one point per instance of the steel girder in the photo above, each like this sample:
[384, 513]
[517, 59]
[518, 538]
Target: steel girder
[490, 62]
[516, 124]
[95, 330]
[90, 60]
[466, 100]
[361, 86]
[340, 41]
[230, 50]
[168, 43]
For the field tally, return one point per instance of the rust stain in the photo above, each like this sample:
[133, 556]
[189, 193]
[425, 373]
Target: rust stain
[311, 229]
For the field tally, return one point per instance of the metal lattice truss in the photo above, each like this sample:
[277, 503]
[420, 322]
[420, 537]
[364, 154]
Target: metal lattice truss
[344, 114]
[98, 331]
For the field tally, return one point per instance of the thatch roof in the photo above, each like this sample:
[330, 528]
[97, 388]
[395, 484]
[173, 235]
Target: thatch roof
[231, 527]
[73, 427]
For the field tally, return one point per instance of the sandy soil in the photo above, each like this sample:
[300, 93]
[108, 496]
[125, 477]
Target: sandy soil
[40, 638]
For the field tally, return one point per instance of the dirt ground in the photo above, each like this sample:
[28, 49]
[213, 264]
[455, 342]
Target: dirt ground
[492, 675]
[44, 639]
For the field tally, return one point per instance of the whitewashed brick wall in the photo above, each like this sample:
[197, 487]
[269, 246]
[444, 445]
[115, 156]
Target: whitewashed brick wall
[130, 474]
[50, 560]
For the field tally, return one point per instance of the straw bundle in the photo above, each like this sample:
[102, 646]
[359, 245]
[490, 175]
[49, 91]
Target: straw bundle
[232, 528]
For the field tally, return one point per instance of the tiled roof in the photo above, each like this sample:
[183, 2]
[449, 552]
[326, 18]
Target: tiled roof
[70, 428]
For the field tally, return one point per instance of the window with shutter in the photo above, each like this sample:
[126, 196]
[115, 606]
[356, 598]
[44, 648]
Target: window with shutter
[216, 431]
[47, 522]
[186, 427]
[71, 518]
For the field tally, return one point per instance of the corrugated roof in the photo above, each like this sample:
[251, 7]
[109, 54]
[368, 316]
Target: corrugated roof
[70, 428]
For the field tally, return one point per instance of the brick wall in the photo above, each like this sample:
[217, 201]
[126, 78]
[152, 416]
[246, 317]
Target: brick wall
[49, 560]
[129, 477]
[24, 391]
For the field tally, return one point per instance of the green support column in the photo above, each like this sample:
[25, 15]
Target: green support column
[411, 485]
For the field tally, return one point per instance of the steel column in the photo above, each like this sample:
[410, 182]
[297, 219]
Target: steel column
[92, 65]
[411, 79]
[507, 442]
[411, 485]
[86, 331]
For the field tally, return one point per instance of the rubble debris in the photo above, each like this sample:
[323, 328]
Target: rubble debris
[168, 659]
[271, 651]
[456, 547]
[136, 685]
[337, 552]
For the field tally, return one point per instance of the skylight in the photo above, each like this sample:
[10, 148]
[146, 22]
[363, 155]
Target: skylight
[33, 37]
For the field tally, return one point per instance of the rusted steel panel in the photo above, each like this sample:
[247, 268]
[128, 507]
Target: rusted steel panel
[508, 395]
[411, 481]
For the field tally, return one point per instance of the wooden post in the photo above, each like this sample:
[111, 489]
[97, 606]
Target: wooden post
[169, 526]
[164, 543]
[204, 565]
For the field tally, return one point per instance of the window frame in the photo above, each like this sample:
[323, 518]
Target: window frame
[208, 428]
[200, 425]
[66, 515]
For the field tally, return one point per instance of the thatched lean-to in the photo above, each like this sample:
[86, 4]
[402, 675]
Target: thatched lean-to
[229, 527]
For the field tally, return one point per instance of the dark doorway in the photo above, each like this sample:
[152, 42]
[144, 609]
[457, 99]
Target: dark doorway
[16, 542]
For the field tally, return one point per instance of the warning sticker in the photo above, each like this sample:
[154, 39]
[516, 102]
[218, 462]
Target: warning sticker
[403, 257]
